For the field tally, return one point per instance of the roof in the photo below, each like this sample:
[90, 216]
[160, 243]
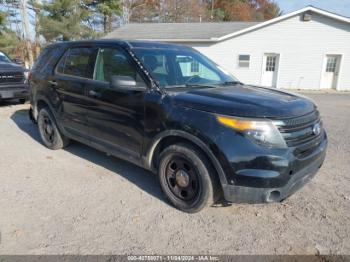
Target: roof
[205, 32]
[178, 31]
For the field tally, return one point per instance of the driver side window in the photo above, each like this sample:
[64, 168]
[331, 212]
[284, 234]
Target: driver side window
[113, 62]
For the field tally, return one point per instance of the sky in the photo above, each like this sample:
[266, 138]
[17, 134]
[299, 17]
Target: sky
[341, 7]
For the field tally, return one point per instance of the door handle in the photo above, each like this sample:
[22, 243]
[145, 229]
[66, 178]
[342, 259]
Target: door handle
[94, 94]
[53, 83]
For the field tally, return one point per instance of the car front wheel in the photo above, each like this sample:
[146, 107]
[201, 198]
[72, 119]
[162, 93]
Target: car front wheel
[49, 132]
[186, 178]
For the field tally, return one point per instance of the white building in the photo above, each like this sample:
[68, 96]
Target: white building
[306, 49]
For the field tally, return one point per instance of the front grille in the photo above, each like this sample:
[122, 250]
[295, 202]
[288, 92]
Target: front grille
[301, 133]
[11, 77]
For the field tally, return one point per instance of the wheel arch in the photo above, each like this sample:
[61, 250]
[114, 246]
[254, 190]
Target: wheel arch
[40, 103]
[170, 137]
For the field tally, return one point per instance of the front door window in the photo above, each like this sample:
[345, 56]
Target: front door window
[114, 62]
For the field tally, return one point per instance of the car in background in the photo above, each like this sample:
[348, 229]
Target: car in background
[13, 80]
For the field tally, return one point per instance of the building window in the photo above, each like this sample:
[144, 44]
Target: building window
[244, 61]
[194, 67]
[270, 63]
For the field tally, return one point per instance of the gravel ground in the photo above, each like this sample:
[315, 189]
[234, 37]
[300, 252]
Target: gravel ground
[80, 201]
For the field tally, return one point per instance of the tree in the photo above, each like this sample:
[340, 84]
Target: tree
[139, 10]
[8, 39]
[198, 10]
[268, 9]
[2, 19]
[35, 5]
[66, 20]
[245, 10]
[26, 31]
[108, 8]
[186, 11]
[18, 16]
[9, 42]
[169, 11]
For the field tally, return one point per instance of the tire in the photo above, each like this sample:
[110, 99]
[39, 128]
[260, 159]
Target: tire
[50, 135]
[186, 178]
[31, 117]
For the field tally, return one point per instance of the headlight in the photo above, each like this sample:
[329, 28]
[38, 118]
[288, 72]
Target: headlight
[260, 131]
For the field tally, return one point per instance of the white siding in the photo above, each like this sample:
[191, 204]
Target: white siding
[302, 47]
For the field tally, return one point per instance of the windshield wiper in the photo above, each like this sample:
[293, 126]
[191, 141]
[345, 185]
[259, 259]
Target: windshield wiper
[191, 85]
[228, 83]
[199, 85]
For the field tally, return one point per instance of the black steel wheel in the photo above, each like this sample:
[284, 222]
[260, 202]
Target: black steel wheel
[182, 179]
[49, 133]
[186, 178]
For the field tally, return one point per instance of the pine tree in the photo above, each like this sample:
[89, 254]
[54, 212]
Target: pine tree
[8, 39]
[2, 19]
[63, 20]
[108, 8]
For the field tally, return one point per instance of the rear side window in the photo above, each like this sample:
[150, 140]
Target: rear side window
[47, 60]
[77, 62]
[43, 59]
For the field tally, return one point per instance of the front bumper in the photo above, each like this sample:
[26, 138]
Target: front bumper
[264, 193]
[14, 92]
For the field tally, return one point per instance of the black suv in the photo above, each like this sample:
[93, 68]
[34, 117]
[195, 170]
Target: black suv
[13, 83]
[171, 110]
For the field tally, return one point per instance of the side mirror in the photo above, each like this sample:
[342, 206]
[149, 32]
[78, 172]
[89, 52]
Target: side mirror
[125, 83]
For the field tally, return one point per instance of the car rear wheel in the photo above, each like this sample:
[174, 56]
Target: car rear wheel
[186, 178]
[49, 132]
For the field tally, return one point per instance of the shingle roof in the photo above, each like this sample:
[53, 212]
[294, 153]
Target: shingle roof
[178, 31]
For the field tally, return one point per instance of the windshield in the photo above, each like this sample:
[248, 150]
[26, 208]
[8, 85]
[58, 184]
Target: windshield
[4, 58]
[174, 68]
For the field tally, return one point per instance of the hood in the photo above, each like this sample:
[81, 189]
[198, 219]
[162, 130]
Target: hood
[244, 101]
[10, 67]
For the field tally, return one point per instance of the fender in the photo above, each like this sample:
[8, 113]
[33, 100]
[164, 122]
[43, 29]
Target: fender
[182, 134]
[38, 98]
[35, 112]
